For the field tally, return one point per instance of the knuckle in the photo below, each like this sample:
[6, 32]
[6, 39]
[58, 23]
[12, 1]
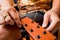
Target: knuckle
[57, 19]
[2, 21]
[15, 18]
[7, 19]
[45, 15]
[11, 22]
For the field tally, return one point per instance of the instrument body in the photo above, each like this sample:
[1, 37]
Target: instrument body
[32, 30]
[35, 31]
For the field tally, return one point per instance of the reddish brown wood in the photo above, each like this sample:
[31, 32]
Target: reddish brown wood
[36, 31]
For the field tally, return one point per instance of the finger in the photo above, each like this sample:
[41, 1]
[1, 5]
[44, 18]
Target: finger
[2, 21]
[14, 14]
[8, 20]
[52, 25]
[45, 21]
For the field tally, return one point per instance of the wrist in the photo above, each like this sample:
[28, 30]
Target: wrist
[55, 10]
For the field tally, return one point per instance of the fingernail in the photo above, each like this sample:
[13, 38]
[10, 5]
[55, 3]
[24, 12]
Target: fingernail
[47, 29]
[43, 25]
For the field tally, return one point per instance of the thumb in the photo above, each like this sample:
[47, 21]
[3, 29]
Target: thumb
[45, 21]
[15, 16]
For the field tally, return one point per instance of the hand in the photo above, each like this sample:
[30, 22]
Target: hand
[9, 16]
[7, 32]
[51, 17]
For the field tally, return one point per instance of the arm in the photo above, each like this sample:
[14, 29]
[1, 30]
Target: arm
[56, 6]
[52, 16]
